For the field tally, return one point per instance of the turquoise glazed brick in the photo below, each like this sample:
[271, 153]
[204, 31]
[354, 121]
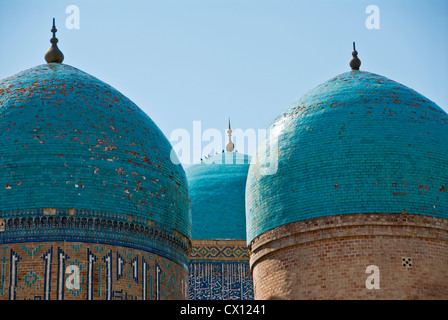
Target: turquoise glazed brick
[358, 143]
[217, 191]
[68, 140]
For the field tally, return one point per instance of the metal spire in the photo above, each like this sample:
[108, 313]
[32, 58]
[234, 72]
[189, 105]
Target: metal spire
[355, 63]
[54, 54]
[230, 146]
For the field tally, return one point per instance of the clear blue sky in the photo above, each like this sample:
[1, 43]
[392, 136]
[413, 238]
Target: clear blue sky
[208, 60]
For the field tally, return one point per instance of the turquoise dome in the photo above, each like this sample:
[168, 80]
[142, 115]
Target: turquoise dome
[69, 140]
[358, 143]
[217, 190]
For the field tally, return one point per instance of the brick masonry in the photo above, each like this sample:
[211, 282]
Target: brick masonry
[327, 258]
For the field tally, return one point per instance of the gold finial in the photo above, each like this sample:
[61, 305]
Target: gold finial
[54, 54]
[355, 63]
[230, 146]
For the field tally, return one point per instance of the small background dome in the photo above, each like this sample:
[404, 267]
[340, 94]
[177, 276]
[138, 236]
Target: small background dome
[217, 190]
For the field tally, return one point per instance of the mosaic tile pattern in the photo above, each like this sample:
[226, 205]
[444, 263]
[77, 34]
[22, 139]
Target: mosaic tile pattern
[82, 271]
[219, 270]
[219, 250]
[358, 143]
[95, 227]
[220, 281]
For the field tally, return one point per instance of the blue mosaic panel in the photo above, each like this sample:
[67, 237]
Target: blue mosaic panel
[216, 280]
[358, 143]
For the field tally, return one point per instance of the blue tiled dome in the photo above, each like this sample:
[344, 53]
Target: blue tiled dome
[68, 140]
[358, 143]
[217, 189]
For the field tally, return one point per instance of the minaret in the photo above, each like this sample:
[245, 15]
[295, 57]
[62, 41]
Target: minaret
[230, 146]
[54, 54]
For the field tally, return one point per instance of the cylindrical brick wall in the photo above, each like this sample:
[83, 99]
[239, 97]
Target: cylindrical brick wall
[353, 256]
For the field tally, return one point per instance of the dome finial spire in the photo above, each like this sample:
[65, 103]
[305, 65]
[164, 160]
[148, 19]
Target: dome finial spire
[230, 146]
[355, 63]
[54, 54]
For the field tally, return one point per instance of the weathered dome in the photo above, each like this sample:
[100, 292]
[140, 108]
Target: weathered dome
[71, 142]
[358, 143]
[217, 191]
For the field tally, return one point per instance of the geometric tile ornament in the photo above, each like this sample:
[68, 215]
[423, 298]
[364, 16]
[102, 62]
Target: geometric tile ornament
[219, 270]
[89, 275]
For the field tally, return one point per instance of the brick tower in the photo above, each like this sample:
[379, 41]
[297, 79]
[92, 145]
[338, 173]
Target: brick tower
[348, 197]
